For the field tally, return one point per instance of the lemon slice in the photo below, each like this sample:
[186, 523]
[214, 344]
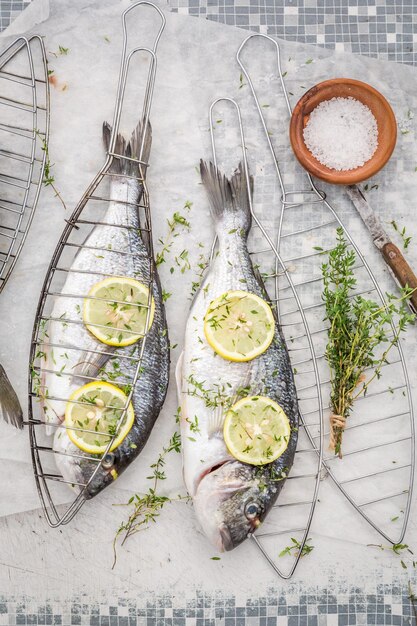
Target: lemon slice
[116, 310]
[92, 414]
[239, 325]
[256, 430]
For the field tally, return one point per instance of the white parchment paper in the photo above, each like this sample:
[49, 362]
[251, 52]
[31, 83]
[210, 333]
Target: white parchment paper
[196, 64]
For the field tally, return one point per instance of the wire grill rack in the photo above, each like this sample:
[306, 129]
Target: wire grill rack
[289, 251]
[300, 501]
[88, 214]
[24, 130]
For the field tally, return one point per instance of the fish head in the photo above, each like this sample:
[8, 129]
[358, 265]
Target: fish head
[231, 501]
[99, 478]
[83, 472]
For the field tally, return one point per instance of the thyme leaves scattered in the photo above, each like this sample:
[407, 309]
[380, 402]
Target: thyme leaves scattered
[202, 264]
[177, 224]
[144, 509]
[60, 52]
[296, 549]
[48, 178]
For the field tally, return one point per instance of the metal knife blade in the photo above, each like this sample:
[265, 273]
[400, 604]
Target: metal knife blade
[369, 217]
[393, 257]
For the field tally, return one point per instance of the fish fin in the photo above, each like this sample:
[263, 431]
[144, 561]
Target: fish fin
[179, 381]
[91, 363]
[10, 409]
[265, 294]
[227, 196]
[215, 422]
[138, 147]
[141, 141]
[178, 375]
[119, 148]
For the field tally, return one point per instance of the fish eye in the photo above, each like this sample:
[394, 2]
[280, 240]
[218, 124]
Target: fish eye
[108, 461]
[252, 510]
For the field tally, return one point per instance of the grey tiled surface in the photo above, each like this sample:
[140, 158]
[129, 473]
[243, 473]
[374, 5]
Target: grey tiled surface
[388, 605]
[9, 9]
[383, 28]
[380, 28]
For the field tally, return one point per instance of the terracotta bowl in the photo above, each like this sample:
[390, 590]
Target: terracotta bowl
[344, 87]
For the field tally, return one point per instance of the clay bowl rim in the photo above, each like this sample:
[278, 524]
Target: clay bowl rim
[311, 164]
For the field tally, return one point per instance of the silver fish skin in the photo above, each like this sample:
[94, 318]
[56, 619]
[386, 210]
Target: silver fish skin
[85, 357]
[230, 498]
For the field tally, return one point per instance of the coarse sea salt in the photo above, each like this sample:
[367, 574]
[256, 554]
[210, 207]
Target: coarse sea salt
[341, 133]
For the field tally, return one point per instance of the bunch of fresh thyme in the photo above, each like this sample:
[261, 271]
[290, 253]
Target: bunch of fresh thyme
[147, 507]
[358, 327]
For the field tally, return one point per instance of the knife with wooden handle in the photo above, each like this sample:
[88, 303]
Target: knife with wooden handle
[392, 255]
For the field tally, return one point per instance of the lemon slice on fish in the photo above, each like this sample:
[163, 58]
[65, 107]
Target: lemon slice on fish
[116, 311]
[256, 430]
[239, 325]
[92, 414]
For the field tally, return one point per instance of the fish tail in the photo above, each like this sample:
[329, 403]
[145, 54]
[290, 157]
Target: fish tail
[10, 409]
[228, 196]
[138, 147]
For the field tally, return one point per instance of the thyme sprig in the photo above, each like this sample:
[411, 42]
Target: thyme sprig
[48, 178]
[402, 232]
[358, 327]
[296, 549]
[60, 52]
[202, 264]
[146, 508]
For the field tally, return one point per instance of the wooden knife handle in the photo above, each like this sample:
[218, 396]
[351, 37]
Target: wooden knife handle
[402, 271]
